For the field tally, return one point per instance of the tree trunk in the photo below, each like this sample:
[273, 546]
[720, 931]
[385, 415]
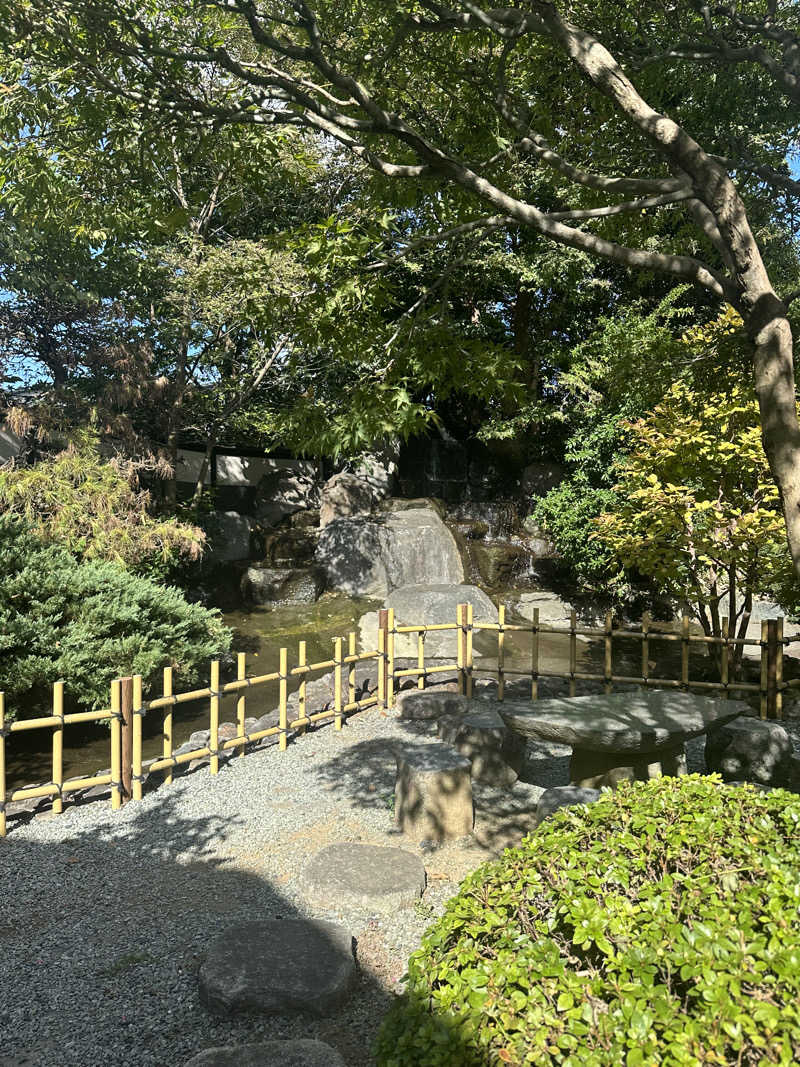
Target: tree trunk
[773, 364]
[204, 466]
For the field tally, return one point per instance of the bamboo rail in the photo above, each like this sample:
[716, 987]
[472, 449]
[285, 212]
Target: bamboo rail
[128, 707]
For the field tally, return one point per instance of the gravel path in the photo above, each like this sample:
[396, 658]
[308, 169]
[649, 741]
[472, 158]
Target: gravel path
[105, 916]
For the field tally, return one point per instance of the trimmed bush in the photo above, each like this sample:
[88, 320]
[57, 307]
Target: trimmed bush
[659, 925]
[88, 623]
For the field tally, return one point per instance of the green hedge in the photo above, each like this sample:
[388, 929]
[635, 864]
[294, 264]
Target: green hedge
[88, 623]
[657, 926]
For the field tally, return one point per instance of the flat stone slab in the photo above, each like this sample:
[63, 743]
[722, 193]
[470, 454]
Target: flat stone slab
[495, 751]
[363, 877]
[752, 750]
[299, 1053]
[620, 722]
[563, 796]
[278, 966]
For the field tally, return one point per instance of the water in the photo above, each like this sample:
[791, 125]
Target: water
[260, 633]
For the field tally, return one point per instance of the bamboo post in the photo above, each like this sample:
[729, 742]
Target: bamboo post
[421, 659]
[772, 668]
[351, 673]
[382, 666]
[684, 651]
[58, 747]
[337, 683]
[470, 610]
[283, 699]
[764, 668]
[383, 660]
[213, 724]
[461, 653]
[725, 659]
[166, 728]
[779, 669]
[2, 764]
[241, 700]
[608, 658]
[535, 656]
[117, 791]
[301, 691]
[138, 715]
[501, 640]
[646, 648]
[126, 710]
[573, 652]
[390, 660]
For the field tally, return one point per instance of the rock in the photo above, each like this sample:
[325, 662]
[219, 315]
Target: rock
[498, 562]
[495, 752]
[553, 611]
[538, 543]
[793, 781]
[396, 504]
[230, 536]
[752, 750]
[591, 769]
[283, 493]
[278, 966]
[343, 496]
[363, 877]
[373, 556]
[297, 1053]
[272, 585]
[289, 547]
[432, 605]
[433, 793]
[378, 470]
[424, 704]
[563, 796]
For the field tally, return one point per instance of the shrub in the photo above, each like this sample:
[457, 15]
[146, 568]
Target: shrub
[657, 926]
[95, 508]
[90, 622]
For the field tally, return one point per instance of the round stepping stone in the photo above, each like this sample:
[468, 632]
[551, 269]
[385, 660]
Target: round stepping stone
[363, 877]
[278, 966]
[563, 796]
[300, 1053]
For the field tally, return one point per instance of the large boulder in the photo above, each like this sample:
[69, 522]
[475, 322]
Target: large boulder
[278, 966]
[553, 610]
[372, 556]
[750, 750]
[344, 496]
[229, 538]
[432, 605]
[283, 493]
[300, 1052]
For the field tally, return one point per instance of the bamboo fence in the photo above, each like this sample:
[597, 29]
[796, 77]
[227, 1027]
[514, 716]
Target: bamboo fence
[127, 707]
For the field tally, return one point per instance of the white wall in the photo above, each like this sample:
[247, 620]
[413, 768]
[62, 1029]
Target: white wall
[237, 470]
[10, 444]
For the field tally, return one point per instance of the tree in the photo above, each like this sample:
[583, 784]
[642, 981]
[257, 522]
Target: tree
[695, 508]
[599, 95]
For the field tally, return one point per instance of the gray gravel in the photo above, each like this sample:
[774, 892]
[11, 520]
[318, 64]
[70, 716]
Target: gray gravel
[105, 916]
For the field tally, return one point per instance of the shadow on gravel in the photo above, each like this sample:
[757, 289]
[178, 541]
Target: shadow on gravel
[102, 934]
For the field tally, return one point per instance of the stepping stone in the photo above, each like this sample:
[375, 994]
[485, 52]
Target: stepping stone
[563, 796]
[423, 704]
[363, 877]
[433, 792]
[278, 966]
[752, 750]
[495, 751]
[299, 1053]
